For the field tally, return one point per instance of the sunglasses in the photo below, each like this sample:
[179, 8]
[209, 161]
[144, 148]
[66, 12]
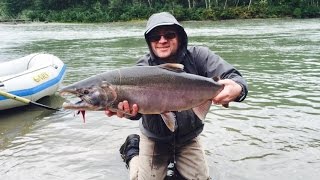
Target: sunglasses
[157, 37]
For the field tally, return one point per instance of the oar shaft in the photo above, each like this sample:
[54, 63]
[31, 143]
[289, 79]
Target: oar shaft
[24, 100]
[12, 96]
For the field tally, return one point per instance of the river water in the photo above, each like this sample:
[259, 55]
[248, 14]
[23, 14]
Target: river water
[273, 134]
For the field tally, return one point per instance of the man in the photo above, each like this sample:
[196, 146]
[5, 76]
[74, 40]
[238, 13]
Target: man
[149, 158]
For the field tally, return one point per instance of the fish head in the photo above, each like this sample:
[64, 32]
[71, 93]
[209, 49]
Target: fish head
[92, 97]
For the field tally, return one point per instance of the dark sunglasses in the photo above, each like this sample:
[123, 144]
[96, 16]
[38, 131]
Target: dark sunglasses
[157, 37]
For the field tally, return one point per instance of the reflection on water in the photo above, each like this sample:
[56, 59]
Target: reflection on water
[274, 134]
[20, 121]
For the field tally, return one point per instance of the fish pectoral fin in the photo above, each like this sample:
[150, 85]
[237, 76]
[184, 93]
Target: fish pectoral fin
[172, 67]
[202, 110]
[170, 120]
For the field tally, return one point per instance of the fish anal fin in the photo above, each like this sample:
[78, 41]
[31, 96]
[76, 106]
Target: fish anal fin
[202, 110]
[176, 67]
[170, 120]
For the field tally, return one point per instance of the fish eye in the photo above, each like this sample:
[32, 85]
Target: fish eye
[86, 91]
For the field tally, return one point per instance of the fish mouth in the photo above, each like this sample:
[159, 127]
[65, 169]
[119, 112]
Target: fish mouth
[83, 104]
[80, 105]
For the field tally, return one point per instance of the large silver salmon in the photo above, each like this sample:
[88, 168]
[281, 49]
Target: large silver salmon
[155, 89]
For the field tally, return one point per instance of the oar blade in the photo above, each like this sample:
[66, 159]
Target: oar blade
[43, 106]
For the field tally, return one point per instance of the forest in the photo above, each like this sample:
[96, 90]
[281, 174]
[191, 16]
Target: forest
[89, 11]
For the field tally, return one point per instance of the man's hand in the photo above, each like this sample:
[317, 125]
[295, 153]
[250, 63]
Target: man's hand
[229, 93]
[124, 110]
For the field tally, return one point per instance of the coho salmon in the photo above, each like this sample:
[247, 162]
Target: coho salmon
[160, 89]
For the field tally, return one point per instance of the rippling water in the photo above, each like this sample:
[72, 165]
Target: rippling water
[273, 134]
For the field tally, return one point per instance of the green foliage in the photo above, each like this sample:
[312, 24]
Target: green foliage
[125, 10]
[195, 14]
[180, 13]
[228, 14]
[208, 14]
[297, 13]
[310, 12]
[2, 12]
[14, 7]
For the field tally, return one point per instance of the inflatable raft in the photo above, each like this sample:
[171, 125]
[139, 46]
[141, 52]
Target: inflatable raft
[32, 77]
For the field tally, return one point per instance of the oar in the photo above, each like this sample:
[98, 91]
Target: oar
[24, 100]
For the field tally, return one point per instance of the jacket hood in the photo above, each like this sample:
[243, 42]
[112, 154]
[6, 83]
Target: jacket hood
[166, 19]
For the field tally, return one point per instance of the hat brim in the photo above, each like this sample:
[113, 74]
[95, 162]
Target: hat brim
[157, 25]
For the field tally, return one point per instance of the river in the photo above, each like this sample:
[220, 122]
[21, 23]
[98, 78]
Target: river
[274, 134]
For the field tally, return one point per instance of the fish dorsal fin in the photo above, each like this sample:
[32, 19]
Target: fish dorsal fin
[202, 110]
[170, 120]
[172, 67]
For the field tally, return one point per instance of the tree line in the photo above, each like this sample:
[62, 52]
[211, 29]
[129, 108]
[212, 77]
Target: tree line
[125, 10]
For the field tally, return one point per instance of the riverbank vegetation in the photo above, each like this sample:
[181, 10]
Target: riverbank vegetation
[126, 10]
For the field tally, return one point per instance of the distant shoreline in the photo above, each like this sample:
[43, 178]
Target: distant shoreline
[26, 21]
[14, 21]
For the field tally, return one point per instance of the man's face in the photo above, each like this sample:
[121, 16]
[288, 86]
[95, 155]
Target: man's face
[164, 41]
